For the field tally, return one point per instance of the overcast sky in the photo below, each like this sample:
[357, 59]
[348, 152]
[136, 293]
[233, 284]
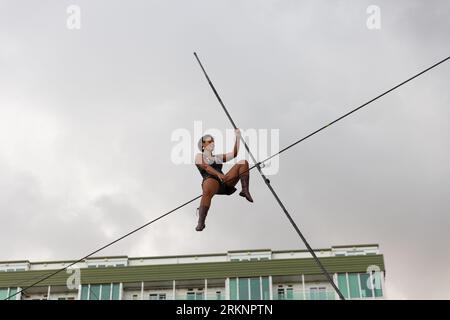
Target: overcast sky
[86, 118]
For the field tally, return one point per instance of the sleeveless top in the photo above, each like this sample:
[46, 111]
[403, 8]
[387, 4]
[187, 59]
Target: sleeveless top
[213, 163]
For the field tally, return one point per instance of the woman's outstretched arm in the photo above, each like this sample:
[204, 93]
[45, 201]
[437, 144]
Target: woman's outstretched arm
[231, 155]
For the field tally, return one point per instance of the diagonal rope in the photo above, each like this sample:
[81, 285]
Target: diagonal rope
[272, 190]
[192, 200]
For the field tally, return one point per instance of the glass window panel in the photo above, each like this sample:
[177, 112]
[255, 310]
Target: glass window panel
[378, 290]
[3, 293]
[243, 289]
[94, 292]
[233, 289]
[354, 286]
[313, 293]
[290, 293]
[280, 294]
[84, 292]
[190, 296]
[11, 292]
[106, 292]
[266, 288]
[116, 291]
[322, 293]
[366, 286]
[255, 289]
[342, 284]
[199, 296]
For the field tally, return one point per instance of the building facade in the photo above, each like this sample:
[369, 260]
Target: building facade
[263, 274]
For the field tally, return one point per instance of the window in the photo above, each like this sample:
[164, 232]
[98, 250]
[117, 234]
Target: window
[318, 293]
[116, 291]
[366, 286]
[199, 296]
[100, 291]
[376, 276]
[135, 297]
[6, 267]
[106, 292]
[280, 293]
[191, 295]
[96, 264]
[358, 285]
[84, 292]
[218, 295]
[94, 293]
[4, 293]
[342, 284]
[286, 293]
[290, 293]
[354, 285]
[255, 288]
[249, 258]
[265, 288]
[356, 253]
[233, 289]
[159, 296]
[7, 292]
[243, 289]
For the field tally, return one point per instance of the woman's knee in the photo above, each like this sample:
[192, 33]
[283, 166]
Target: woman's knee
[243, 162]
[208, 193]
[209, 189]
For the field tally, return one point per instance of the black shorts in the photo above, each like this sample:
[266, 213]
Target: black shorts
[223, 187]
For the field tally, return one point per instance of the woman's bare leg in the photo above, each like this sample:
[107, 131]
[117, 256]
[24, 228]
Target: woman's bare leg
[240, 172]
[210, 187]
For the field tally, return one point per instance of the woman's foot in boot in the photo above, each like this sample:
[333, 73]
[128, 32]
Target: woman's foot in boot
[202, 213]
[245, 182]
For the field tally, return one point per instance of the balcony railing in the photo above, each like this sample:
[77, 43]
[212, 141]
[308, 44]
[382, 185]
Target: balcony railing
[197, 296]
[297, 295]
[306, 295]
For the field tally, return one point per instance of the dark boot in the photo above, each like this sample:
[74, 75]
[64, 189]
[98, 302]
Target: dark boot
[244, 182]
[202, 213]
